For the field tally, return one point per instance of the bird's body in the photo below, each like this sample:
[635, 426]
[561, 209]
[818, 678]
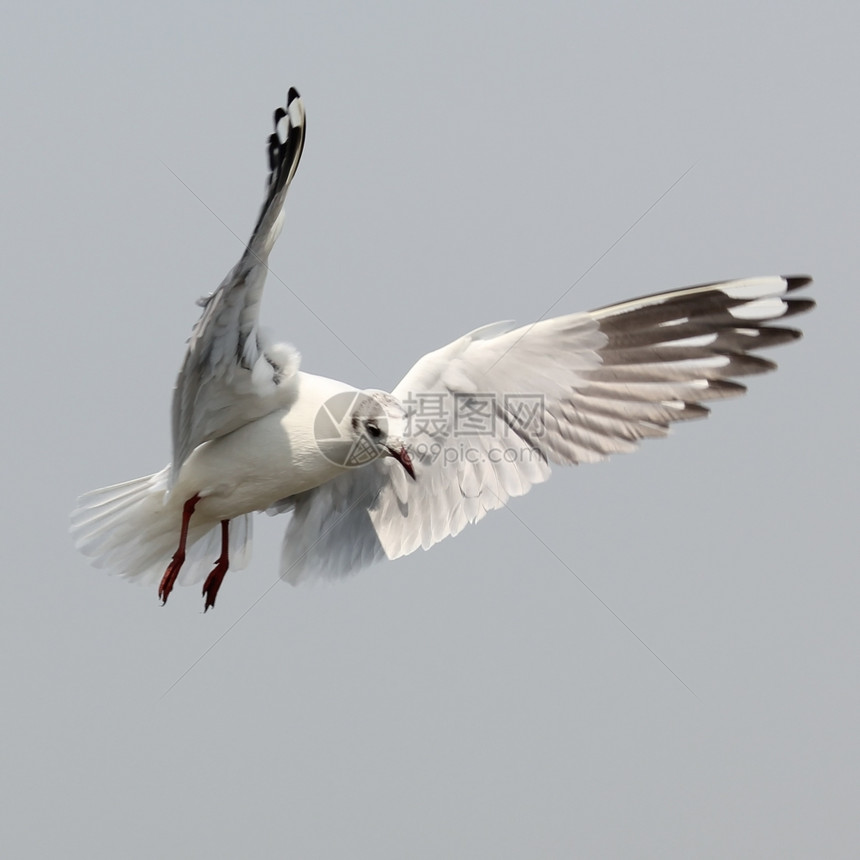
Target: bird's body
[268, 459]
[367, 474]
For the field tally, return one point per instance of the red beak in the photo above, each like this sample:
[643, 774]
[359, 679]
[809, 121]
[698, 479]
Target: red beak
[402, 456]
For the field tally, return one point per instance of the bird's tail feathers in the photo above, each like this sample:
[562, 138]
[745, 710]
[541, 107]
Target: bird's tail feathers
[129, 529]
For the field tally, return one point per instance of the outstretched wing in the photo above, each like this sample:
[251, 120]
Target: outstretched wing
[231, 374]
[490, 412]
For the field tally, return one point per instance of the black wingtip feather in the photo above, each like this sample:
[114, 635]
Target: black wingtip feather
[796, 282]
[797, 306]
[772, 336]
[274, 150]
[292, 95]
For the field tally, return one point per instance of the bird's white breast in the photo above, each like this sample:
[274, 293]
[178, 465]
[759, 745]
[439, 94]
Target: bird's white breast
[263, 461]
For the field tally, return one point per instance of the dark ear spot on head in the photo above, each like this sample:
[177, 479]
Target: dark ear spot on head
[355, 422]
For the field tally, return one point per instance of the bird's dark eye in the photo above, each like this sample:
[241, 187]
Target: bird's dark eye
[373, 430]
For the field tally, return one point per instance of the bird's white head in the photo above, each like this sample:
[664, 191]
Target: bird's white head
[353, 428]
[379, 417]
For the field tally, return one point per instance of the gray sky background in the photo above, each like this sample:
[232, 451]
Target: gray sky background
[463, 164]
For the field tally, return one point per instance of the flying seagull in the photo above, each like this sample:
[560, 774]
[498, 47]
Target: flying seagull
[368, 474]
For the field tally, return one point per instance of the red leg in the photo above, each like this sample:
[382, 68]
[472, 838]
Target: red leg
[169, 578]
[214, 580]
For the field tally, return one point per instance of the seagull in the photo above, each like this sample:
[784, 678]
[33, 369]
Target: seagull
[367, 474]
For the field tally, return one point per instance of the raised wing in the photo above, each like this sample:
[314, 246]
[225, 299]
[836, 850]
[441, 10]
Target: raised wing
[490, 412]
[232, 374]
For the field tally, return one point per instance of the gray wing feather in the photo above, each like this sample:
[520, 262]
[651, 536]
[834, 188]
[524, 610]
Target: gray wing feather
[330, 531]
[232, 373]
[606, 379]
